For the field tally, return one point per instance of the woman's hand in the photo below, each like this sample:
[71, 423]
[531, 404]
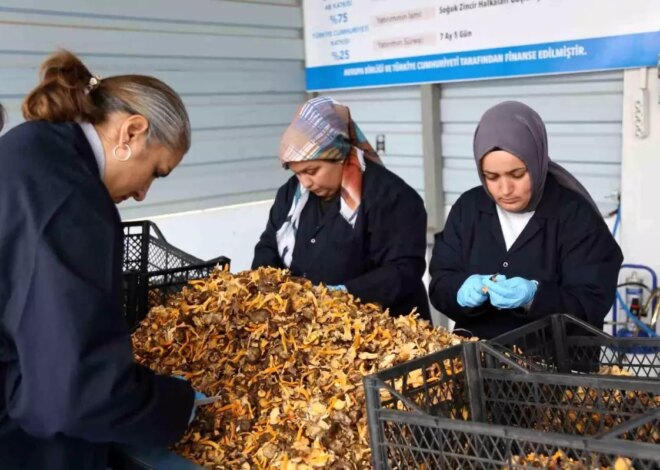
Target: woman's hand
[471, 293]
[198, 396]
[341, 288]
[511, 293]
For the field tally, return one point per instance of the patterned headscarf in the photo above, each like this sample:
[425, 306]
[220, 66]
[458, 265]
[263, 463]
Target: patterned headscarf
[518, 129]
[323, 130]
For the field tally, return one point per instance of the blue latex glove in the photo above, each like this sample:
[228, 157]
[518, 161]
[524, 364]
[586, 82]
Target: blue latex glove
[198, 396]
[511, 293]
[340, 287]
[470, 294]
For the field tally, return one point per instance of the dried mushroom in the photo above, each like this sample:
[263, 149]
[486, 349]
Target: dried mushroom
[614, 370]
[493, 278]
[288, 359]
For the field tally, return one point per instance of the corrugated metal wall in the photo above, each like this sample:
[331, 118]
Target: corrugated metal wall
[396, 114]
[582, 113]
[237, 64]
[239, 67]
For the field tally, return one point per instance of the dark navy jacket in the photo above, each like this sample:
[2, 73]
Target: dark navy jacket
[68, 383]
[566, 247]
[381, 260]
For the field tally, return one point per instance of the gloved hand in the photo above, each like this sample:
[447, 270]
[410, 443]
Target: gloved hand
[198, 396]
[339, 287]
[470, 294]
[511, 293]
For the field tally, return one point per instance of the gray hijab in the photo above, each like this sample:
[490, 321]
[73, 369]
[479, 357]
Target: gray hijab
[516, 128]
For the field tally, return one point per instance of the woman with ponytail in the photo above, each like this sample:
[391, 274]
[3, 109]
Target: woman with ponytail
[68, 384]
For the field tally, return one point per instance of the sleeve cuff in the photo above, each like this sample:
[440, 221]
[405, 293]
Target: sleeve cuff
[526, 308]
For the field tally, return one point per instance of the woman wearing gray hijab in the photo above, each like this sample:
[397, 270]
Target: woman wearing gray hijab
[528, 242]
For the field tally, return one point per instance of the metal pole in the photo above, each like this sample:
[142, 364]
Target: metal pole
[433, 188]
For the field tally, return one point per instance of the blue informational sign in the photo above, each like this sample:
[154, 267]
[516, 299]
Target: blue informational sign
[370, 43]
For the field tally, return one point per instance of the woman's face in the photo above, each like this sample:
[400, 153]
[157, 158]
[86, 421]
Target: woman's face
[507, 180]
[132, 178]
[323, 178]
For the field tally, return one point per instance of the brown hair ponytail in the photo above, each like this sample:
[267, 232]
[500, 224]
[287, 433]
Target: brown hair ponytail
[67, 94]
[62, 94]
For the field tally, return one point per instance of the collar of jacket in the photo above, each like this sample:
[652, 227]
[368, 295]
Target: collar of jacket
[84, 149]
[546, 209]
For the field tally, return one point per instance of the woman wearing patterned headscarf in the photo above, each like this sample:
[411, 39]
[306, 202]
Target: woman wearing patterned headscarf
[531, 223]
[343, 219]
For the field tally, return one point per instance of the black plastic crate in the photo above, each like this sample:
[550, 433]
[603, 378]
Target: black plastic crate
[146, 250]
[562, 343]
[154, 269]
[473, 406]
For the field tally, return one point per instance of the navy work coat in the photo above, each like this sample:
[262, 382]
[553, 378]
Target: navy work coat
[68, 382]
[566, 247]
[381, 260]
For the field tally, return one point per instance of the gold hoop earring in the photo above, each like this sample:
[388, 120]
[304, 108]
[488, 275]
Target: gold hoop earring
[129, 152]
